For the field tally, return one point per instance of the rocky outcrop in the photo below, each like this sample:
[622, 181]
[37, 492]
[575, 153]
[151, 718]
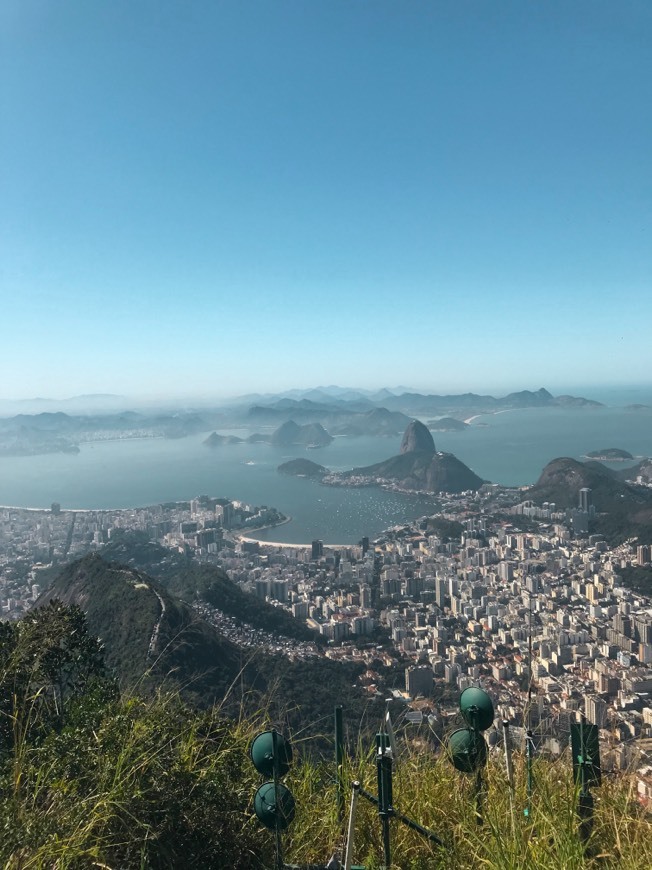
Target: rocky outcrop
[217, 440]
[416, 438]
[286, 435]
[310, 435]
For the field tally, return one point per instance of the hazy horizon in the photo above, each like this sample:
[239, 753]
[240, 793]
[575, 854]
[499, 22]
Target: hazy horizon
[218, 199]
[616, 394]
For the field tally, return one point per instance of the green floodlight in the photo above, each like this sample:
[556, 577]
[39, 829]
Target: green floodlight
[477, 708]
[467, 750]
[274, 805]
[262, 753]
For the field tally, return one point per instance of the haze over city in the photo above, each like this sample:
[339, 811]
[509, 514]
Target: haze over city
[213, 199]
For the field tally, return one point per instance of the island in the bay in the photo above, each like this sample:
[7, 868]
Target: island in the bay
[303, 468]
[609, 454]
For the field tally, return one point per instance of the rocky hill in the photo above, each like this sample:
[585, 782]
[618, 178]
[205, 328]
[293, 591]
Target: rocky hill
[153, 639]
[418, 467]
[150, 637]
[610, 454]
[447, 424]
[417, 437]
[378, 421]
[338, 417]
[642, 470]
[290, 434]
[302, 468]
[561, 480]
[217, 440]
[622, 509]
[424, 471]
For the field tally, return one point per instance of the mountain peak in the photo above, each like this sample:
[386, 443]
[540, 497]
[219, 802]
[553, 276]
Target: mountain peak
[417, 437]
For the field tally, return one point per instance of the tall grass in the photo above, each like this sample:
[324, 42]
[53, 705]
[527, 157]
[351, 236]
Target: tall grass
[90, 778]
[431, 792]
[148, 783]
[144, 783]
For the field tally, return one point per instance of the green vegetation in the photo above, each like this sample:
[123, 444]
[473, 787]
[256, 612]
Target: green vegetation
[638, 578]
[303, 468]
[190, 581]
[89, 778]
[194, 658]
[622, 510]
[610, 454]
[445, 529]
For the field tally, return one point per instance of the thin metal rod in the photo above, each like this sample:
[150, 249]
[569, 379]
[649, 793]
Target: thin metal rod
[385, 803]
[418, 828]
[478, 796]
[279, 844]
[387, 844]
[529, 753]
[404, 819]
[339, 762]
[510, 770]
[585, 802]
[508, 754]
[348, 855]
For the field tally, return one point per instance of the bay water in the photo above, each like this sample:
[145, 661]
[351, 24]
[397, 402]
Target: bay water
[509, 447]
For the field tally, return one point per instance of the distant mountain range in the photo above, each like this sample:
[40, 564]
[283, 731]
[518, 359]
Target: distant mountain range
[340, 412]
[57, 432]
[413, 403]
[351, 419]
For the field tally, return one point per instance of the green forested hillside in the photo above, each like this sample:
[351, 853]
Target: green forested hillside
[189, 580]
[147, 646]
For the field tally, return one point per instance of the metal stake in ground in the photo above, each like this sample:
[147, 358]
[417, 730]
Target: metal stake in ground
[339, 762]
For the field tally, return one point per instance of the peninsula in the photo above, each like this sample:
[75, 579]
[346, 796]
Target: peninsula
[419, 467]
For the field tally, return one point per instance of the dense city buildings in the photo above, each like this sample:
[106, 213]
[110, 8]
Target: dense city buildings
[494, 591]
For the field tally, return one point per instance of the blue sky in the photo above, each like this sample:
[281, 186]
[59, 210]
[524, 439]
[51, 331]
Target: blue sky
[225, 196]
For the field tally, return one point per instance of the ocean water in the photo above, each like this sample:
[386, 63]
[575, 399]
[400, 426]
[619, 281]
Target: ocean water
[509, 448]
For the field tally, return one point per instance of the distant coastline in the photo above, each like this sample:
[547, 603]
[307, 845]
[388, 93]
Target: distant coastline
[494, 413]
[251, 540]
[326, 546]
[282, 522]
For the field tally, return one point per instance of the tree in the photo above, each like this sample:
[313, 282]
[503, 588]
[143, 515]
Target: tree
[46, 660]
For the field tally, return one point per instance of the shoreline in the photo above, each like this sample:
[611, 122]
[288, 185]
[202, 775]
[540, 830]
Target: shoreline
[469, 420]
[236, 535]
[288, 519]
[250, 539]
[113, 510]
[277, 544]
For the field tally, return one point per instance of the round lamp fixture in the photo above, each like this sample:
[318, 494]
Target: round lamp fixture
[467, 750]
[477, 708]
[274, 805]
[262, 753]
